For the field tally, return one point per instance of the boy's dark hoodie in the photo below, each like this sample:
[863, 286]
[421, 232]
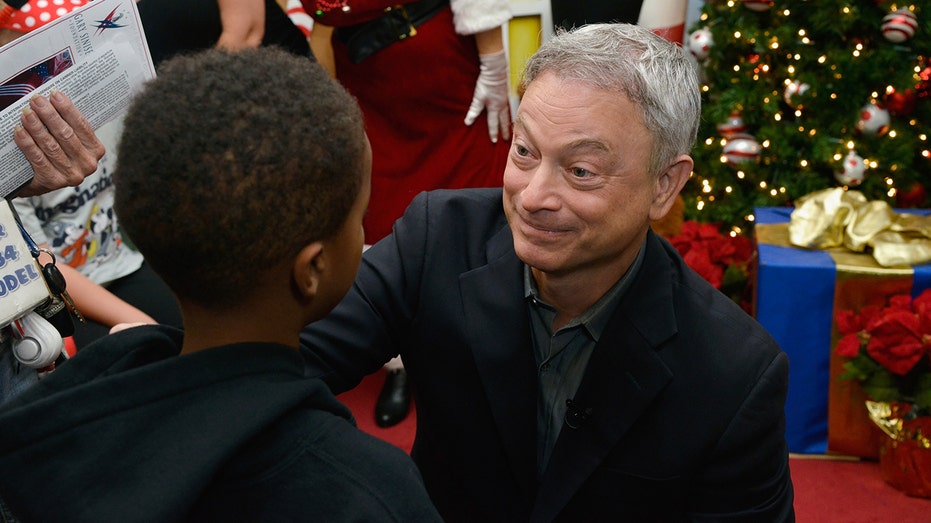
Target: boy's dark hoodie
[127, 430]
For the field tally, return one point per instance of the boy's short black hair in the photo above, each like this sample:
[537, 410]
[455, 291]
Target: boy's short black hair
[231, 162]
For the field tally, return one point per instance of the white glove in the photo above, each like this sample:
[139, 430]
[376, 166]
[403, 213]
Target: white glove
[491, 94]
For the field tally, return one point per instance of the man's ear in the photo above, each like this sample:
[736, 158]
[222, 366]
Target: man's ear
[668, 185]
[309, 266]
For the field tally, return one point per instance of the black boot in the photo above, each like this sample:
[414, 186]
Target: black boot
[394, 400]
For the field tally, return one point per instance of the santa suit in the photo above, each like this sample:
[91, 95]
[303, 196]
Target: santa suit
[415, 94]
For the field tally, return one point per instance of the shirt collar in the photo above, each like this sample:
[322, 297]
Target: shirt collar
[595, 318]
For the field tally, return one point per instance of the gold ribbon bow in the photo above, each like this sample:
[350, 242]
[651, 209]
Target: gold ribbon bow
[843, 218]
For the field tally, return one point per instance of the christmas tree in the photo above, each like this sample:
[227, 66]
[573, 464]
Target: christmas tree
[806, 95]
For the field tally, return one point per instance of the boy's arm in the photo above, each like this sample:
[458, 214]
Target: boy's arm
[97, 303]
[243, 23]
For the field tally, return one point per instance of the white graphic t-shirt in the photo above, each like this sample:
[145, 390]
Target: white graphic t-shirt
[78, 223]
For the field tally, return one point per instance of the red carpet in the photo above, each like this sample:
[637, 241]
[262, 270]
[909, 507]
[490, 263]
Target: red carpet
[826, 490]
[361, 400]
[829, 491]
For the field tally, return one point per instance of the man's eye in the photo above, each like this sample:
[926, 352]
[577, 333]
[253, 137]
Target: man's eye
[579, 172]
[521, 150]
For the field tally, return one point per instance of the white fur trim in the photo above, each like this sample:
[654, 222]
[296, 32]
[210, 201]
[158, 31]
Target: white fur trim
[475, 16]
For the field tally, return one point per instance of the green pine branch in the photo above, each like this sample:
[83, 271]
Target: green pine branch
[838, 50]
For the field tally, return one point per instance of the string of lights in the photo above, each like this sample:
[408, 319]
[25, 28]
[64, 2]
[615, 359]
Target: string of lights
[804, 95]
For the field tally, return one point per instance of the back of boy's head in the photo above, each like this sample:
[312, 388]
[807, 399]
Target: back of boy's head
[230, 163]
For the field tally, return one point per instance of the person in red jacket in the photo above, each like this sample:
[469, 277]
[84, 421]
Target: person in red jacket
[431, 77]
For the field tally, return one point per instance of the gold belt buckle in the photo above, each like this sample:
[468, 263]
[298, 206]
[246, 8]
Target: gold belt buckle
[410, 30]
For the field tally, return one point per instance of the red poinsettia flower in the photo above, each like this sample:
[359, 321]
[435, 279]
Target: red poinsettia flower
[735, 250]
[709, 252]
[852, 328]
[849, 322]
[901, 301]
[699, 259]
[896, 341]
[849, 345]
[922, 307]
[692, 232]
[888, 349]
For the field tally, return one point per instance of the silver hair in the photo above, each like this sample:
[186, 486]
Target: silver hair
[654, 73]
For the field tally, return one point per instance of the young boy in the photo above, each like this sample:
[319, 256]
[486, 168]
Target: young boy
[243, 178]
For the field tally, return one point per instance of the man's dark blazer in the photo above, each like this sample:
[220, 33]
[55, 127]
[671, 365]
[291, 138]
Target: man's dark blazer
[685, 391]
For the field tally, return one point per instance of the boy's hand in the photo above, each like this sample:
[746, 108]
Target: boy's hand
[123, 326]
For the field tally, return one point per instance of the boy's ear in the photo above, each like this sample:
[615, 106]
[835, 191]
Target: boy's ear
[309, 266]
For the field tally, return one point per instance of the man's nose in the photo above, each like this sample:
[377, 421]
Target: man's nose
[542, 189]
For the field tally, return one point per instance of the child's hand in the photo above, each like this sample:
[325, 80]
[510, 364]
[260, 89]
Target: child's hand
[123, 326]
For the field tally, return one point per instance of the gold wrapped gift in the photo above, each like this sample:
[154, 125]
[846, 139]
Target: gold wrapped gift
[893, 419]
[858, 280]
[836, 217]
[905, 456]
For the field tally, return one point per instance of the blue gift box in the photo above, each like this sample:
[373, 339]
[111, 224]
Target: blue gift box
[796, 293]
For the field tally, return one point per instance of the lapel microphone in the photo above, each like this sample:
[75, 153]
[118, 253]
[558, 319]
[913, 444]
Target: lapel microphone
[576, 415]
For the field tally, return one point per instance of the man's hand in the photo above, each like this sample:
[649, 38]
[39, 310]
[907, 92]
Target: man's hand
[58, 142]
[491, 94]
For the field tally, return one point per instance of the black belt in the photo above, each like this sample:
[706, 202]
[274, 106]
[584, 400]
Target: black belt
[397, 23]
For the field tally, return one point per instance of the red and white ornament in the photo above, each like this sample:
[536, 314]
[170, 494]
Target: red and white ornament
[852, 170]
[758, 5]
[741, 148]
[732, 125]
[700, 43]
[794, 91]
[899, 25]
[874, 120]
[900, 103]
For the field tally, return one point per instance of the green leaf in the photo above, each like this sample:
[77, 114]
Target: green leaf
[882, 386]
[923, 400]
[923, 392]
[863, 368]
